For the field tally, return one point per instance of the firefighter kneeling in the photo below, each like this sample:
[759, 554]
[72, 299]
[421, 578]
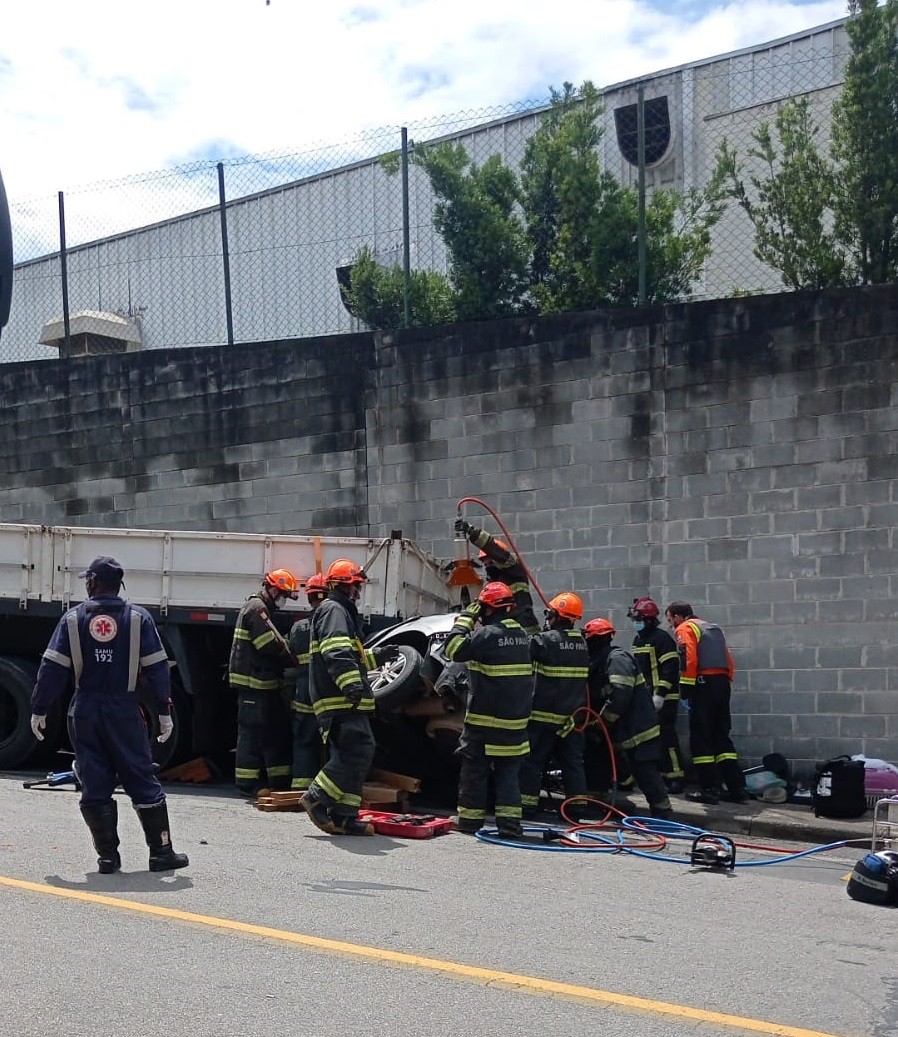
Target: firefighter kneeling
[494, 739]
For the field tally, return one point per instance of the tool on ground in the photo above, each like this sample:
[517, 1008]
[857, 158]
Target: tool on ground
[54, 779]
[713, 851]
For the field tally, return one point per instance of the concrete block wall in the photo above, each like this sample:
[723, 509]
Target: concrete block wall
[740, 454]
[268, 437]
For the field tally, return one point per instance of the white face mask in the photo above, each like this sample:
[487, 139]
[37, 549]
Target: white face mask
[639, 624]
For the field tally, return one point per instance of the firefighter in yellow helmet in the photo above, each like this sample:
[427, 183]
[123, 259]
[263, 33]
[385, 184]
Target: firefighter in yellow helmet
[259, 656]
[561, 664]
[494, 737]
[343, 702]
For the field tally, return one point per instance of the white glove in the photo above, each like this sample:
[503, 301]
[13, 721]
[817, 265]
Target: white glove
[658, 701]
[37, 725]
[166, 726]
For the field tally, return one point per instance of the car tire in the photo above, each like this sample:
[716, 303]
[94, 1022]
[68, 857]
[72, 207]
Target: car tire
[398, 681]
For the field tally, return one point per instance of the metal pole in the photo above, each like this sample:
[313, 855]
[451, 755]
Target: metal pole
[225, 253]
[64, 274]
[640, 232]
[406, 258]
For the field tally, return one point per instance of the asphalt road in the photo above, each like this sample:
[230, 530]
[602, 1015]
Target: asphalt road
[277, 929]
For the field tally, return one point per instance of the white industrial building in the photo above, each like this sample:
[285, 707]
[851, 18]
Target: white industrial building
[287, 243]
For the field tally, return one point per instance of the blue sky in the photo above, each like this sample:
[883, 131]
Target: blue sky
[92, 90]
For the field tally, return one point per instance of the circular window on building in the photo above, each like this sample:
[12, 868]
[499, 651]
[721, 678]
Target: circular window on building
[657, 131]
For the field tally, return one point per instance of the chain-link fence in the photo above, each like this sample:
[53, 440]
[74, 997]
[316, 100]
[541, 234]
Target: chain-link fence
[255, 249]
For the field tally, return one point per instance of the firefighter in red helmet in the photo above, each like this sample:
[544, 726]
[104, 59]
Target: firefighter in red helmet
[502, 566]
[494, 738]
[259, 656]
[620, 694]
[307, 743]
[343, 702]
[561, 665]
[658, 658]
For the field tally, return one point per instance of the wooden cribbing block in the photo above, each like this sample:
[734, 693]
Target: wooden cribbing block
[396, 781]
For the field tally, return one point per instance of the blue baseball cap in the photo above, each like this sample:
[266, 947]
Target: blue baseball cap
[104, 568]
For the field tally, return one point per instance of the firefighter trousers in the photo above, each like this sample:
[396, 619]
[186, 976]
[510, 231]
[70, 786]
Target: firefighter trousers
[263, 740]
[671, 757]
[546, 745]
[473, 786]
[713, 754]
[307, 746]
[338, 784]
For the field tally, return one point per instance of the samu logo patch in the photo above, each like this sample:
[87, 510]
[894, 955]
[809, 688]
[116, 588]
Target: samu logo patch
[102, 628]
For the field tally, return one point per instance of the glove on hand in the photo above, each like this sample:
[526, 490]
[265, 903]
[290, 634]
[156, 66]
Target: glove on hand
[658, 701]
[166, 726]
[37, 725]
[473, 610]
[385, 655]
[461, 526]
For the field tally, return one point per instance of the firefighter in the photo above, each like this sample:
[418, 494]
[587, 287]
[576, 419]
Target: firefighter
[561, 665]
[306, 733]
[101, 646]
[658, 658]
[706, 674]
[343, 702]
[619, 692]
[259, 656]
[502, 566]
[494, 737]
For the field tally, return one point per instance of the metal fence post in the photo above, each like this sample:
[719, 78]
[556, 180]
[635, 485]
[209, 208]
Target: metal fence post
[406, 237]
[64, 274]
[225, 253]
[640, 232]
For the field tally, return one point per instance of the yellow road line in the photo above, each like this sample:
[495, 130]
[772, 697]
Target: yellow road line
[531, 984]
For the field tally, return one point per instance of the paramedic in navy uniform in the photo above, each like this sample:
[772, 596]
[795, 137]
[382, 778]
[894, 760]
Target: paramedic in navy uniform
[100, 647]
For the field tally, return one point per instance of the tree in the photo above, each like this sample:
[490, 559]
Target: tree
[477, 218]
[376, 294]
[865, 141]
[793, 201]
[583, 223]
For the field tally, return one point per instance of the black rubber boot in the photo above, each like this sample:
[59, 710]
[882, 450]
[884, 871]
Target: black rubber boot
[154, 821]
[103, 824]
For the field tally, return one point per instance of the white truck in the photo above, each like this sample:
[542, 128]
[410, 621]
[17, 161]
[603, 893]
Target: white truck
[194, 584]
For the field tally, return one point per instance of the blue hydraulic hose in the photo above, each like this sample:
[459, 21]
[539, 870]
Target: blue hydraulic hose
[644, 825]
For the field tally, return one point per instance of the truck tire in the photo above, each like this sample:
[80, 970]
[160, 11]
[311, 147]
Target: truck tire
[16, 684]
[398, 681]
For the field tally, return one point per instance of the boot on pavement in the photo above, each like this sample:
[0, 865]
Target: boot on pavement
[154, 821]
[103, 824]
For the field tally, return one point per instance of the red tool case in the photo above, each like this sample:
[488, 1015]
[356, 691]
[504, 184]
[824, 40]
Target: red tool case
[406, 826]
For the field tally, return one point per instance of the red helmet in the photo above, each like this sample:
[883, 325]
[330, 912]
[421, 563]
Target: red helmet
[568, 605]
[496, 595]
[284, 581]
[598, 627]
[316, 585]
[483, 556]
[345, 571]
[643, 608]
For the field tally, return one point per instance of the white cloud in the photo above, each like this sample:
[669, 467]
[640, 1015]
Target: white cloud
[96, 90]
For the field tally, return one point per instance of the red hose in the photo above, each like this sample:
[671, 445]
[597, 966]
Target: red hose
[591, 716]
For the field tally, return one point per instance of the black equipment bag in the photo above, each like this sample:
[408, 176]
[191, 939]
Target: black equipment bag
[839, 788]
